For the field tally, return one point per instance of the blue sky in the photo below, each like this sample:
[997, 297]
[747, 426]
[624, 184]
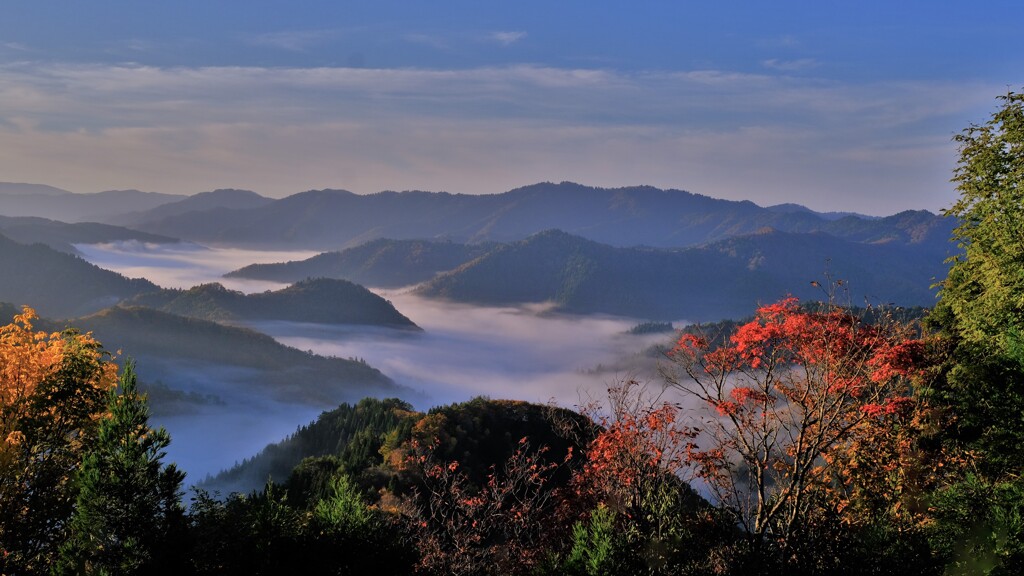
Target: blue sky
[836, 105]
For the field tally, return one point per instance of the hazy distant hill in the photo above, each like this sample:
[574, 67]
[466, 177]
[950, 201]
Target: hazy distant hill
[383, 262]
[61, 235]
[56, 204]
[175, 349]
[57, 284]
[221, 198]
[640, 215]
[790, 208]
[17, 188]
[325, 301]
[724, 279]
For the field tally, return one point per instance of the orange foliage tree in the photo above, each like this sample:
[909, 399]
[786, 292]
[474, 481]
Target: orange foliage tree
[789, 399]
[53, 390]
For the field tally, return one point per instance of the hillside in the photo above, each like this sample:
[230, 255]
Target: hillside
[322, 301]
[221, 198]
[368, 441]
[718, 280]
[194, 354]
[60, 285]
[383, 262]
[62, 236]
[633, 216]
[64, 206]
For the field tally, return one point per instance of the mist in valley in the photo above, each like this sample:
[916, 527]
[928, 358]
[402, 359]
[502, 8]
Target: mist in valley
[184, 264]
[523, 353]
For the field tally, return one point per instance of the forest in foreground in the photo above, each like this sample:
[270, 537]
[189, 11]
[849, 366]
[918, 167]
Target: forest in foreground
[808, 440]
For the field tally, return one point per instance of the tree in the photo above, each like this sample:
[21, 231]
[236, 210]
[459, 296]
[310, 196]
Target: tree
[985, 287]
[53, 388]
[128, 515]
[980, 316]
[501, 527]
[785, 394]
[636, 468]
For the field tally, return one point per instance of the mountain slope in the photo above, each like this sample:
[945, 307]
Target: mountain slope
[57, 284]
[222, 198]
[62, 236]
[324, 301]
[175, 349]
[718, 280]
[639, 215]
[94, 207]
[385, 263]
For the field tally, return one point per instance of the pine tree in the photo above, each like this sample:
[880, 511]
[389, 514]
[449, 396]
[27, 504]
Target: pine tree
[128, 514]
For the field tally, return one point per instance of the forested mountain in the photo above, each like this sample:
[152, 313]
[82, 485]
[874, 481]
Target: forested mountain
[62, 236]
[641, 215]
[369, 440]
[383, 262]
[222, 198]
[718, 280]
[353, 433]
[164, 343]
[56, 204]
[326, 301]
[60, 285]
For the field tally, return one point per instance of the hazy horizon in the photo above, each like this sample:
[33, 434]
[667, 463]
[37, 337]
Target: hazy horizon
[837, 107]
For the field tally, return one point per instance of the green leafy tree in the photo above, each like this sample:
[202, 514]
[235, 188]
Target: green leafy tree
[128, 516]
[980, 316]
[985, 286]
[981, 306]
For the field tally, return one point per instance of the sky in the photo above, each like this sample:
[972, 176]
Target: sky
[834, 105]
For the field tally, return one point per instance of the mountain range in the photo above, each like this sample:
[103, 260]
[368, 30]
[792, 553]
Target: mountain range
[632, 216]
[716, 280]
[725, 279]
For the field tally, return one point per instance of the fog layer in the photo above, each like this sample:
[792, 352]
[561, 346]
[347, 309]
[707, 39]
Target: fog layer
[466, 351]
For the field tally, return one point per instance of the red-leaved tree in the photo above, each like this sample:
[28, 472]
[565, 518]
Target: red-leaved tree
[787, 393]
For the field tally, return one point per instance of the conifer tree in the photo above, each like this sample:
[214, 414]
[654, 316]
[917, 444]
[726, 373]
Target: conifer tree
[128, 515]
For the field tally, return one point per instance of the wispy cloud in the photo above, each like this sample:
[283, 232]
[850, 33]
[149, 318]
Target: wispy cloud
[507, 38]
[772, 138]
[15, 46]
[798, 65]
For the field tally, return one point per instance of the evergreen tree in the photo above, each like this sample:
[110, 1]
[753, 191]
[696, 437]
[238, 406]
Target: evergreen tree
[128, 516]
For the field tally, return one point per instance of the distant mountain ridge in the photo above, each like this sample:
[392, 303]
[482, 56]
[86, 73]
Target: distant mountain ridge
[56, 204]
[631, 216]
[222, 198]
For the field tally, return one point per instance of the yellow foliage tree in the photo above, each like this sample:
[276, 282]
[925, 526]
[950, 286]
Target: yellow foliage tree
[53, 390]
